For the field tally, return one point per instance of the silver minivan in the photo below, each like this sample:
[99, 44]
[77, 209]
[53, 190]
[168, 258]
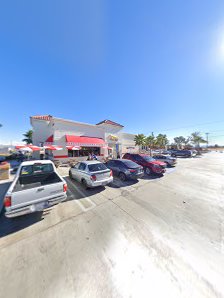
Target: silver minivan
[91, 173]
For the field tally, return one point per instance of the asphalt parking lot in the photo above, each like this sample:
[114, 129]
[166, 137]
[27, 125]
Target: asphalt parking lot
[158, 237]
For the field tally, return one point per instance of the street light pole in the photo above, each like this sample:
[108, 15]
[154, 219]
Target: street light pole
[207, 133]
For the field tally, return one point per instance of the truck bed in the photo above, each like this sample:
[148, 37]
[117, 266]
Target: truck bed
[32, 181]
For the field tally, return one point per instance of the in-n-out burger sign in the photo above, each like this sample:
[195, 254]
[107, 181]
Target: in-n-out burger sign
[113, 138]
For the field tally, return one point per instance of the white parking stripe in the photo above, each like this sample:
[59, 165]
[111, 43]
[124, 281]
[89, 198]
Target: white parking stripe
[79, 202]
[169, 171]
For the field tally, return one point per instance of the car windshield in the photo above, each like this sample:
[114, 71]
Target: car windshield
[36, 169]
[148, 158]
[96, 167]
[129, 163]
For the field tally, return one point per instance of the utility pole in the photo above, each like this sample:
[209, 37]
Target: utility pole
[207, 133]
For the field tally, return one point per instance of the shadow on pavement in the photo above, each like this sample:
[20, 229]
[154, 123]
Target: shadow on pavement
[12, 225]
[76, 191]
[151, 177]
[117, 183]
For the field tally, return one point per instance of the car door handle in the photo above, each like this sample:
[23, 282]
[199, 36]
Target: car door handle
[40, 189]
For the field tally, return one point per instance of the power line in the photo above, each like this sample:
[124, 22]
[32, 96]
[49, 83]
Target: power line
[217, 136]
[217, 130]
[195, 125]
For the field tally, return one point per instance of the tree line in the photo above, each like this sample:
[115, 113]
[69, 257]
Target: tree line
[161, 141]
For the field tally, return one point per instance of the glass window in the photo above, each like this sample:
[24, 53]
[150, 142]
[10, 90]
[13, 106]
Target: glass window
[113, 163]
[128, 163]
[97, 167]
[137, 157]
[77, 165]
[85, 151]
[73, 153]
[148, 158]
[36, 169]
[82, 166]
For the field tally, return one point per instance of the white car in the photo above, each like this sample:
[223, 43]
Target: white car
[170, 161]
[91, 173]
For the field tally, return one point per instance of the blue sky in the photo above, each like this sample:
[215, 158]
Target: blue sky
[149, 65]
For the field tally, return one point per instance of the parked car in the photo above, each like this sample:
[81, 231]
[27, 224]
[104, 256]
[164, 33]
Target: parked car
[125, 169]
[169, 160]
[36, 186]
[165, 152]
[194, 153]
[2, 158]
[149, 164]
[181, 153]
[91, 173]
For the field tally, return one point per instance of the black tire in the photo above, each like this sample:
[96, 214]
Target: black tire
[84, 183]
[148, 171]
[168, 165]
[122, 176]
[173, 155]
[70, 175]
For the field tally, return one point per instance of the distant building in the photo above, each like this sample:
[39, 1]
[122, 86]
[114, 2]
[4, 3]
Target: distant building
[79, 139]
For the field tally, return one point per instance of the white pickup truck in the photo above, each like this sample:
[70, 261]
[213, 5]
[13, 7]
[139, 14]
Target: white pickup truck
[36, 186]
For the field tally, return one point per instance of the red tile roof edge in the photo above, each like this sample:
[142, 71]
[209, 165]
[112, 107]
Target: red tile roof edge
[110, 123]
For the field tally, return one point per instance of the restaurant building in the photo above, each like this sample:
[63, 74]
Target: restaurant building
[78, 139]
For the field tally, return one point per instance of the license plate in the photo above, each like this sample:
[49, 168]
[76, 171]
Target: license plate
[102, 176]
[40, 206]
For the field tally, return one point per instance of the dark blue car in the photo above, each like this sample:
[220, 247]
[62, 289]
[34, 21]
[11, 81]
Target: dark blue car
[125, 169]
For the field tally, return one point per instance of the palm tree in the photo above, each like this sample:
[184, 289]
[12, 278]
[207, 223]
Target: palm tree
[197, 139]
[28, 137]
[139, 140]
[179, 141]
[150, 142]
[186, 141]
[162, 141]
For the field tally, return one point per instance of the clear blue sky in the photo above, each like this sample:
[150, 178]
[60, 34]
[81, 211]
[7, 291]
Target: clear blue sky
[149, 65]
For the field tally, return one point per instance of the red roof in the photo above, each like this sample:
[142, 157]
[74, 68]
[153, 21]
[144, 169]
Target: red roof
[110, 123]
[42, 117]
[50, 139]
[83, 140]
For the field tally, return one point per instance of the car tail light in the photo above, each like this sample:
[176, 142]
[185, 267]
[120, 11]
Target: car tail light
[65, 187]
[93, 177]
[132, 171]
[111, 173]
[7, 201]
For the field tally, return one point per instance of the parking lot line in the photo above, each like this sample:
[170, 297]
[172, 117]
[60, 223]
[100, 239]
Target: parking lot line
[82, 202]
[169, 171]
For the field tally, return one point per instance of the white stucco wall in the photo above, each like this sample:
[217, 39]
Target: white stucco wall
[41, 130]
[59, 128]
[127, 140]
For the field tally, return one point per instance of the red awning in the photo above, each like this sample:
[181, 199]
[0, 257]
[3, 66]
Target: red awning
[84, 141]
[50, 139]
[31, 147]
[73, 147]
[52, 147]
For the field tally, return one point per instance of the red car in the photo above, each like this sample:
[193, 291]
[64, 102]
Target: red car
[150, 165]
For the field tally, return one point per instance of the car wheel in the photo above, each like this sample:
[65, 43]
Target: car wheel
[122, 176]
[84, 183]
[168, 165]
[70, 175]
[148, 171]
[173, 155]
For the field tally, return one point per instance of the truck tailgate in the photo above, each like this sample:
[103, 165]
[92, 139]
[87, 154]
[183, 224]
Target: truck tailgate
[36, 194]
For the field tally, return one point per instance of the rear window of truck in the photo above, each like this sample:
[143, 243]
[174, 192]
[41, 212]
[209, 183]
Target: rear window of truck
[36, 169]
